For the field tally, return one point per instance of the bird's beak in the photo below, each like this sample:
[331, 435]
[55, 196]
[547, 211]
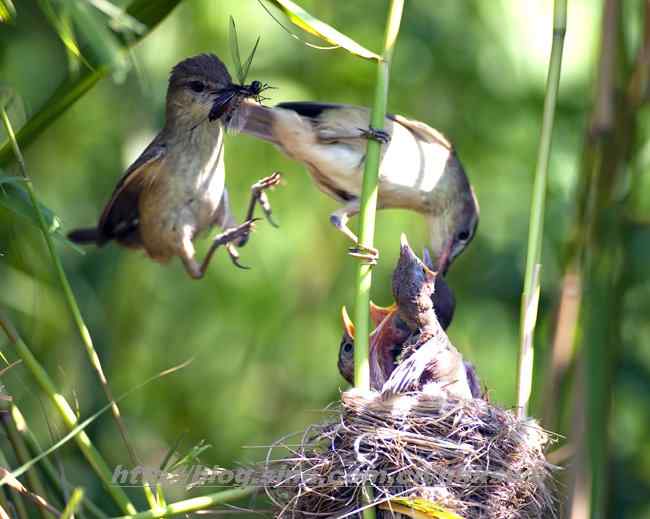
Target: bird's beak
[348, 325]
[443, 259]
[379, 313]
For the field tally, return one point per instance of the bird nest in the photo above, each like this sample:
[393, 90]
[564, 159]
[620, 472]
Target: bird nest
[420, 455]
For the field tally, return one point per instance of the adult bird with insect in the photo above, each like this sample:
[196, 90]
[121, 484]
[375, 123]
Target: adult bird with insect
[176, 188]
[229, 98]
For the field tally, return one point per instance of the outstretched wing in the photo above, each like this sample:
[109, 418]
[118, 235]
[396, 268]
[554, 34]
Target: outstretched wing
[120, 218]
[422, 131]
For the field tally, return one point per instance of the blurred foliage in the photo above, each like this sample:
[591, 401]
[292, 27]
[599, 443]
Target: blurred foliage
[265, 341]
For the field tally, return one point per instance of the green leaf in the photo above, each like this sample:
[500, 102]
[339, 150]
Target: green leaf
[7, 11]
[192, 457]
[308, 23]
[104, 43]
[62, 24]
[14, 198]
[146, 12]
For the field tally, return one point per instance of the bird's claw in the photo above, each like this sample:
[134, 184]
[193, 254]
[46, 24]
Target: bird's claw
[258, 196]
[258, 192]
[381, 136]
[369, 255]
[226, 238]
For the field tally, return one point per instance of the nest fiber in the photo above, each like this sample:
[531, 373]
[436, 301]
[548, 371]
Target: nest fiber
[422, 456]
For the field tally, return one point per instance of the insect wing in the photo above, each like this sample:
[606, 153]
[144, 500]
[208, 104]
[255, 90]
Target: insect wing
[249, 60]
[234, 51]
[221, 104]
[237, 115]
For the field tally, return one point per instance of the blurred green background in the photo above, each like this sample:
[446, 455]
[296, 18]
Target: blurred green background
[264, 342]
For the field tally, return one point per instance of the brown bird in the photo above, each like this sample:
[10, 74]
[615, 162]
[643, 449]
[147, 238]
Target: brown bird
[176, 188]
[419, 169]
[388, 335]
[428, 361]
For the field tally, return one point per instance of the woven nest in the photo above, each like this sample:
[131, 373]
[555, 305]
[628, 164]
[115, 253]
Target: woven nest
[423, 456]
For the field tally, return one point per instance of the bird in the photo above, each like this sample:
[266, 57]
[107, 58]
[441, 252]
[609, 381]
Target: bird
[176, 189]
[419, 170]
[388, 335]
[428, 361]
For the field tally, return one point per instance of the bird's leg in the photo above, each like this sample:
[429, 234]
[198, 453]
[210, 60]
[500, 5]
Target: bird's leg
[258, 196]
[381, 136]
[196, 270]
[226, 239]
[339, 219]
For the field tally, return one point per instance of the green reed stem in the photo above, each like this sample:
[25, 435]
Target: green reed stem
[367, 212]
[530, 295]
[369, 199]
[68, 416]
[196, 503]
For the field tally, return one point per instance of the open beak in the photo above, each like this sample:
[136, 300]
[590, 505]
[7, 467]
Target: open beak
[348, 325]
[379, 313]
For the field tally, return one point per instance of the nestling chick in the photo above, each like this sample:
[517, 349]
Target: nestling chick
[176, 188]
[419, 169]
[388, 336]
[430, 363]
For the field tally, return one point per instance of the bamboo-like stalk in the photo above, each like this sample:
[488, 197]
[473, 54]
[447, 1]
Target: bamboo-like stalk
[530, 295]
[51, 474]
[369, 198]
[16, 498]
[22, 456]
[368, 208]
[196, 503]
[68, 416]
[73, 504]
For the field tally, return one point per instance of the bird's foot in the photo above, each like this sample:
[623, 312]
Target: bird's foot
[368, 255]
[259, 196]
[235, 234]
[381, 136]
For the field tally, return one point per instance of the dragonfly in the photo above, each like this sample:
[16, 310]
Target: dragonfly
[230, 97]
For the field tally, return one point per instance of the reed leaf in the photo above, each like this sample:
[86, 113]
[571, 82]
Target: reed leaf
[312, 25]
[147, 12]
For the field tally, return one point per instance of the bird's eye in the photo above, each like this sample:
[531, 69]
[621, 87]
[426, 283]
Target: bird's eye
[197, 86]
[463, 235]
[347, 348]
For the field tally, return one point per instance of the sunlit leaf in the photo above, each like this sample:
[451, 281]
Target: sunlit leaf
[7, 11]
[62, 24]
[419, 508]
[308, 23]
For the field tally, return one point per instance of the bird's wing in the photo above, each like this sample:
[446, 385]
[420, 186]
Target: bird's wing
[421, 130]
[406, 376]
[310, 109]
[436, 361]
[119, 220]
